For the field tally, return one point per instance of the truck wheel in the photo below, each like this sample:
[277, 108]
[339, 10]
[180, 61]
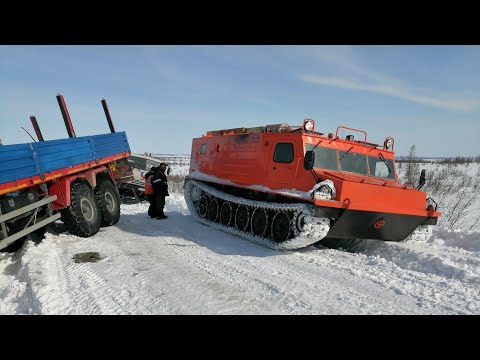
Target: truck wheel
[108, 201]
[82, 218]
[15, 246]
[41, 232]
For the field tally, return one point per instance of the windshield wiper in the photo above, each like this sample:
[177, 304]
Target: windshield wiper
[345, 153]
[380, 155]
[317, 145]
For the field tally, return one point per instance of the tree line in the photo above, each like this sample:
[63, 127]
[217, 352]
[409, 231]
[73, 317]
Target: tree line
[447, 160]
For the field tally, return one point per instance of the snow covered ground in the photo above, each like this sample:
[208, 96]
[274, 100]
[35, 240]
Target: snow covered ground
[178, 266]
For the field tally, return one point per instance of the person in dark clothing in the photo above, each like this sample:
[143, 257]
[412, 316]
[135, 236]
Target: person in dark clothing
[149, 192]
[160, 190]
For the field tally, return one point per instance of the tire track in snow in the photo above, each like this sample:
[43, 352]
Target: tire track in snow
[297, 289]
[15, 286]
[437, 294]
[321, 289]
[438, 261]
[197, 293]
[75, 288]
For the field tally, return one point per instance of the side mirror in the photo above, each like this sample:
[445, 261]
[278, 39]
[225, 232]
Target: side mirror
[422, 180]
[309, 160]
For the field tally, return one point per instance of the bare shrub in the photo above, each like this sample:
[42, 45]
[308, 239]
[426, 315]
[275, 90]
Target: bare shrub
[456, 194]
[175, 183]
[466, 195]
[475, 223]
[412, 168]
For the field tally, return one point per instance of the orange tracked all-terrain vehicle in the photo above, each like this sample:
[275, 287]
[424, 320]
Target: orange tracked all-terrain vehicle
[287, 187]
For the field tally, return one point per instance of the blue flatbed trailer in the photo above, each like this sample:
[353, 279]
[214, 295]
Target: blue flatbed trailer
[28, 164]
[72, 179]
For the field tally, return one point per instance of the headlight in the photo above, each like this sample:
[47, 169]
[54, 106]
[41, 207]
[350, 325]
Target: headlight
[324, 190]
[388, 143]
[431, 205]
[308, 125]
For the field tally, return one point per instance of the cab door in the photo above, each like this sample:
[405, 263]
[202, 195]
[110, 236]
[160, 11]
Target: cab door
[282, 164]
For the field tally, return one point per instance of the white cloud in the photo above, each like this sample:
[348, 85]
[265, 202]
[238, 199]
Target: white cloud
[354, 76]
[450, 102]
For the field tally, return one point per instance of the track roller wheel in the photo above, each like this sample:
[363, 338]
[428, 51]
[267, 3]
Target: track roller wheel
[300, 222]
[226, 213]
[213, 210]
[259, 221]
[280, 227]
[203, 206]
[196, 194]
[241, 218]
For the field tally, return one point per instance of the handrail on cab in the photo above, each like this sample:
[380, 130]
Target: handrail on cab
[344, 127]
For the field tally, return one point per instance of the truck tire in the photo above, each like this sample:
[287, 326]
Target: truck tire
[41, 231]
[15, 246]
[82, 218]
[108, 200]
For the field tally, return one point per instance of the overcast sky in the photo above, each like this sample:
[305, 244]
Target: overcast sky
[163, 96]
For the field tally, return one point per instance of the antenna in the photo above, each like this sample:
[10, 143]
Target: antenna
[29, 134]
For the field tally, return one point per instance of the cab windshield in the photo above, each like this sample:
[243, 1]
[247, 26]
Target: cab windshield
[348, 161]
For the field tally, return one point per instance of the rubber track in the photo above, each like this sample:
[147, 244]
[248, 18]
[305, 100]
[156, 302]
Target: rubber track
[315, 229]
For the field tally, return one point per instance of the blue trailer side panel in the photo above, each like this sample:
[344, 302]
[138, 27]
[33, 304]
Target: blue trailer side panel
[25, 160]
[16, 162]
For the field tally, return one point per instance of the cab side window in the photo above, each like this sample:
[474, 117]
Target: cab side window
[138, 163]
[203, 148]
[151, 163]
[283, 153]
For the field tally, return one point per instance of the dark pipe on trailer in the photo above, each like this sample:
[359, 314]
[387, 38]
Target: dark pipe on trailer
[36, 128]
[107, 114]
[66, 116]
